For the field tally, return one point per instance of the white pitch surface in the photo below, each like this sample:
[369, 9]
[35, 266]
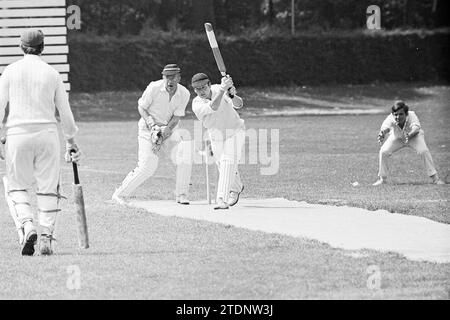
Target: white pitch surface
[343, 227]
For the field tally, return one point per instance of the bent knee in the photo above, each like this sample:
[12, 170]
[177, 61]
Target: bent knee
[385, 153]
[146, 169]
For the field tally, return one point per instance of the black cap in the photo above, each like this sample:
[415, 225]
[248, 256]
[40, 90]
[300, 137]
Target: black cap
[199, 77]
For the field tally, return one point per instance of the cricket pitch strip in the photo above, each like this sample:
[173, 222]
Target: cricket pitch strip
[348, 228]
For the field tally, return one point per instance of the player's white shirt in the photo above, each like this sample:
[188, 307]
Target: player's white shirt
[222, 123]
[411, 121]
[34, 89]
[155, 100]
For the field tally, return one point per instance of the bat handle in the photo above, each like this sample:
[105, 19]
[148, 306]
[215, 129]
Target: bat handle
[76, 179]
[229, 94]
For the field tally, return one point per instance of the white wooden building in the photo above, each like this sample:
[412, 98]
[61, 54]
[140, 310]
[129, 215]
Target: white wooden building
[46, 15]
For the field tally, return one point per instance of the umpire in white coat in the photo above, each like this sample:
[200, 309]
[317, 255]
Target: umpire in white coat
[35, 91]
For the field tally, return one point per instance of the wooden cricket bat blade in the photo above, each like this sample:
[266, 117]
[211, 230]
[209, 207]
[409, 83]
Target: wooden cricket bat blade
[83, 235]
[215, 48]
[208, 26]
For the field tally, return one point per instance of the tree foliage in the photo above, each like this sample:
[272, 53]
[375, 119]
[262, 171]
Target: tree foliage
[130, 17]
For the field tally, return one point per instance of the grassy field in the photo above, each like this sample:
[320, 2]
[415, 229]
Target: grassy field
[138, 255]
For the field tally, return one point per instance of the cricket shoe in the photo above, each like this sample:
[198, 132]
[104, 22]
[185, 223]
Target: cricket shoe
[221, 205]
[379, 182]
[30, 236]
[437, 180]
[45, 244]
[182, 199]
[233, 198]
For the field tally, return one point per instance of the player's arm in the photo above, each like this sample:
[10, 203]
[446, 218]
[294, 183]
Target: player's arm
[146, 116]
[168, 129]
[62, 104]
[385, 128]
[201, 108]
[4, 98]
[144, 104]
[70, 129]
[173, 122]
[237, 101]
[4, 94]
[225, 84]
[178, 113]
[415, 126]
[215, 103]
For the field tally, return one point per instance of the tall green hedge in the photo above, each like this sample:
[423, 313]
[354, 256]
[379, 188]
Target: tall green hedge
[103, 64]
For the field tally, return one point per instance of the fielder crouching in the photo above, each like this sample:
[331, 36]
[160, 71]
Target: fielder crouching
[399, 130]
[161, 106]
[32, 149]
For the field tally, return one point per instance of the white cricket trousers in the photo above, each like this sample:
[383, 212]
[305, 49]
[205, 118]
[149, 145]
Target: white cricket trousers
[33, 156]
[227, 154]
[178, 151]
[393, 144]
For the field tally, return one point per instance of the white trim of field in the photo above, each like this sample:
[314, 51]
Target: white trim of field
[416, 238]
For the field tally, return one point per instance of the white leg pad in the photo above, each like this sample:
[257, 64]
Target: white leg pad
[48, 208]
[236, 185]
[12, 209]
[21, 203]
[227, 172]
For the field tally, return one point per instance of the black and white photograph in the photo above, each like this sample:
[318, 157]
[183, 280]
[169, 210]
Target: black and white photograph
[224, 156]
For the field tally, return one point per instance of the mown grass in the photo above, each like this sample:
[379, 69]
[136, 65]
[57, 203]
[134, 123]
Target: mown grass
[139, 255]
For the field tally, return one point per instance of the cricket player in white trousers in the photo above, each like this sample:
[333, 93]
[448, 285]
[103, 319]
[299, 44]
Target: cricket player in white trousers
[215, 107]
[404, 130]
[35, 91]
[161, 106]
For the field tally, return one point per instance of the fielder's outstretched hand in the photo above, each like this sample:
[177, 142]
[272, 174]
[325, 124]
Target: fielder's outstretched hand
[406, 138]
[381, 138]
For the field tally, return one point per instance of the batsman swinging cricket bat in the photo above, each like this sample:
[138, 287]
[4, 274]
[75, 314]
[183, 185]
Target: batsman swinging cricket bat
[83, 236]
[215, 49]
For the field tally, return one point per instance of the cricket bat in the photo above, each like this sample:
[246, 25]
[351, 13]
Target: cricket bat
[83, 236]
[216, 51]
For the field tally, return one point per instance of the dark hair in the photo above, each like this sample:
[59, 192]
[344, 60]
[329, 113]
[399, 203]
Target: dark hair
[400, 105]
[37, 50]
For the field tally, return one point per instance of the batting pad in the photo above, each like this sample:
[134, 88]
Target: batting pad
[343, 227]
